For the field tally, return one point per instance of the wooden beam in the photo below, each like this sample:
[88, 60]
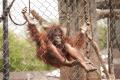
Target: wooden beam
[103, 4]
[100, 0]
[105, 13]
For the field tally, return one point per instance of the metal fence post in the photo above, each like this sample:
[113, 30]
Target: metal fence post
[5, 43]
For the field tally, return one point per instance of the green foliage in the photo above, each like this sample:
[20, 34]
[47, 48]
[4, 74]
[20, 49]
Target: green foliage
[102, 31]
[22, 55]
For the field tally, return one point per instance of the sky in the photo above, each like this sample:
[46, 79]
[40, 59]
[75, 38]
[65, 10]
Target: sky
[48, 9]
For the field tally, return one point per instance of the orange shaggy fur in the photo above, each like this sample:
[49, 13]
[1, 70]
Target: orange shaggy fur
[42, 39]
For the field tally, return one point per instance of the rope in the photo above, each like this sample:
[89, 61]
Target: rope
[86, 20]
[86, 16]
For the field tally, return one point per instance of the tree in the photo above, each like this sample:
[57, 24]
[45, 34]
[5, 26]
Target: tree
[22, 54]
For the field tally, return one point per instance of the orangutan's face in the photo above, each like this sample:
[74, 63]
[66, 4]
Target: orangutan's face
[57, 37]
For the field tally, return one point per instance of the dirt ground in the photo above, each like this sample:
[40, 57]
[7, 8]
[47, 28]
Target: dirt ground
[29, 76]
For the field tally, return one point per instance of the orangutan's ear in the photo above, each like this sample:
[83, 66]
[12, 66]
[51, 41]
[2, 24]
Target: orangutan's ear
[64, 29]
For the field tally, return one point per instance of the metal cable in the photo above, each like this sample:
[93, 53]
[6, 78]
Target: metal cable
[20, 24]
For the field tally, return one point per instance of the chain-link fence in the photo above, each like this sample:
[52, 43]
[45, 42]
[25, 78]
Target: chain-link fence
[19, 57]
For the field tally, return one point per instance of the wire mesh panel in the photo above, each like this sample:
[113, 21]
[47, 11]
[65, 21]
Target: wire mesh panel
[22, 59]
[23, 64]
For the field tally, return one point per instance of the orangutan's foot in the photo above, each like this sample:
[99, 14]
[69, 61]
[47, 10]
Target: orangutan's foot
[89, 66]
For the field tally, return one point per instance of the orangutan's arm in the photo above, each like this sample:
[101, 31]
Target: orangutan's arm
[74, 52]
[53, 50]
[33, 31]
[64, 61]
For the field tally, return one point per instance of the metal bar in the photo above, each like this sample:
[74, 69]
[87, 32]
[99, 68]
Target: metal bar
[29, 7]
[110, 39]
[5, 42]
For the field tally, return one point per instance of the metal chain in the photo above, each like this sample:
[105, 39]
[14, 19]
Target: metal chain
[85, 11]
